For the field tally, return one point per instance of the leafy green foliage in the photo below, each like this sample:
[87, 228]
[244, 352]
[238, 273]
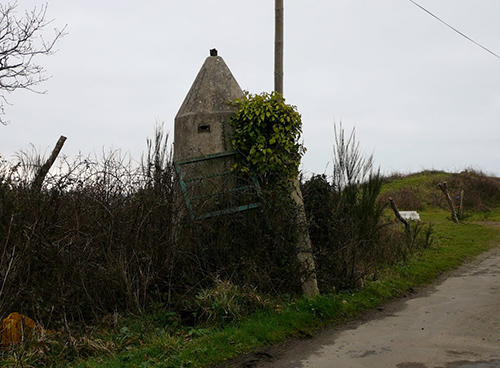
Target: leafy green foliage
[267, 131]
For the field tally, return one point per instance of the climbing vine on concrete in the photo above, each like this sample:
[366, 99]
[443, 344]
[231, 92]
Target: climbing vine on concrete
[267, 132]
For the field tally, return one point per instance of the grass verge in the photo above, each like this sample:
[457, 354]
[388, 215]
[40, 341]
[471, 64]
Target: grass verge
[454, 244]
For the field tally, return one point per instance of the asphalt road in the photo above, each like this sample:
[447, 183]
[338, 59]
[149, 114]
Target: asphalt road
[452, 324]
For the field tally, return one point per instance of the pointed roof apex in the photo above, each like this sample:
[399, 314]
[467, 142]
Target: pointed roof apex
[212, 89]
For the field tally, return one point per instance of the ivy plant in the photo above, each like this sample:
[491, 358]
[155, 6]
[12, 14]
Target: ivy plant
[267, 132]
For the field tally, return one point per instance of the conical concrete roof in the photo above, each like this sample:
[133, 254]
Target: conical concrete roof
[213, 87]
[206, 105]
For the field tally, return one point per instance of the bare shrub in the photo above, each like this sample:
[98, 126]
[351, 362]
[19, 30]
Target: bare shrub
[253, 248]
[408, 199]
[482, 192]
[97, 237]
[106, 234]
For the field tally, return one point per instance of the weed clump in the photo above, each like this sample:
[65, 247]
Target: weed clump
[226, 302]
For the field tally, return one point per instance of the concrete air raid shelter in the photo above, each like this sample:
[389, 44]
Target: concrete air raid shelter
[203, 152]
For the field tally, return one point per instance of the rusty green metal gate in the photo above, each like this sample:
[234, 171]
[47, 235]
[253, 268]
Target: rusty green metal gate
[203, 188]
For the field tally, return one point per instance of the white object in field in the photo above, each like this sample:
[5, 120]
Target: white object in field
[410, 215]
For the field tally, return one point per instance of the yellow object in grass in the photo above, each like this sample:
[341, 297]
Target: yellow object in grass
[16, 328]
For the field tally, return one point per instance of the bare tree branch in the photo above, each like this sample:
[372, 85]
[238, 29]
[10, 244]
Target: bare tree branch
[444, 189]
[398, 215]
[21, 41]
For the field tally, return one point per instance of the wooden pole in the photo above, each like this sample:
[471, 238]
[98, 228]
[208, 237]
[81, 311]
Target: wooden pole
[42, 173]
[461, 205]
[304, 245]
[278, 46]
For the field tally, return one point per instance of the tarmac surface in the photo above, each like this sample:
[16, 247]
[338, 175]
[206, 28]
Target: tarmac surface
[453, 324]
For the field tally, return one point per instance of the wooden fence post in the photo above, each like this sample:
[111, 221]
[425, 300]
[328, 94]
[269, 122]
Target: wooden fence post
[461, 205]
[444, 189]
[42, 173]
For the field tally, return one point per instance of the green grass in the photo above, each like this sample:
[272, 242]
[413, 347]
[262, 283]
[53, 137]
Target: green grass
[425, 182]
[424, 178]
[493, 215]
[454, 244]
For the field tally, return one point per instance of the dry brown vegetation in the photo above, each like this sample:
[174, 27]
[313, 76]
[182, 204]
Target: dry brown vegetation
[100, 238]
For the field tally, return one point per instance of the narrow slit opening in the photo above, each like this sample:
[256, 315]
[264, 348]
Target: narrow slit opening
[203, 128]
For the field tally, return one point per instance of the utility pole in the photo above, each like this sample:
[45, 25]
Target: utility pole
[304, 245]
[278, 46]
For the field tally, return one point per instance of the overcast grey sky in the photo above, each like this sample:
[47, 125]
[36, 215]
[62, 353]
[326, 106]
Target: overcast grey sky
[419, 95]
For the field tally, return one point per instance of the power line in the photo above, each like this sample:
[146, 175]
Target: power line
[453, 28]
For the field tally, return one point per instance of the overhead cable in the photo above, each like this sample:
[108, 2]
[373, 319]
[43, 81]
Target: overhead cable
[453, 28]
